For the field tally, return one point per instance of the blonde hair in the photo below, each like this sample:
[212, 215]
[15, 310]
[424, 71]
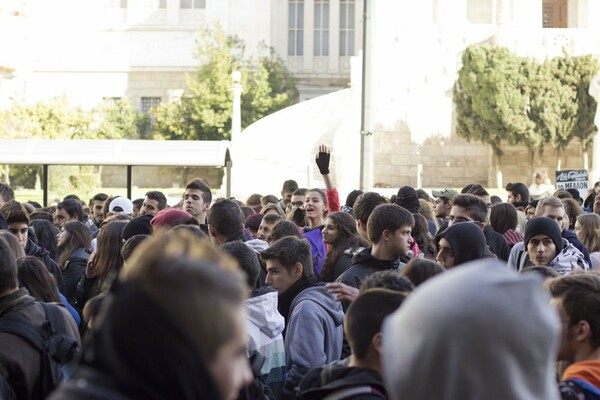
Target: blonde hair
[590, 231]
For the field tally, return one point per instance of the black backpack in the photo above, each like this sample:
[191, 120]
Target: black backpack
[57, 347]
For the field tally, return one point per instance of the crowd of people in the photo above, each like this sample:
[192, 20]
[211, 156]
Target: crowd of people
[453, 294]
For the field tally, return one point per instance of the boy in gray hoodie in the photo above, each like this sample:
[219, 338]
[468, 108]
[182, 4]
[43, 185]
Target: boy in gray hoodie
[313, 329]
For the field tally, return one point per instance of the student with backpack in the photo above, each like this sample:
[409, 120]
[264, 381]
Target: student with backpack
[37, 340]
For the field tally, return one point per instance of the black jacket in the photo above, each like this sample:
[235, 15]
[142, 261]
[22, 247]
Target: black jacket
[497, 243]
[72, 270]
[33, 249]
[364, 264]
[321, 382]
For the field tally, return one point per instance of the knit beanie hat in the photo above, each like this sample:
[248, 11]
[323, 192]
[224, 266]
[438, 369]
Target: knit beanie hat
[169, 217]
[544, 226]
[407, 197]
[138, 226]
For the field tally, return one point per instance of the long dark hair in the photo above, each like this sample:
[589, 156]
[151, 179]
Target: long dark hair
[78, 237]
[348, 238]
[46, 233]
[421, 235]
[34, 276]
[108, 254]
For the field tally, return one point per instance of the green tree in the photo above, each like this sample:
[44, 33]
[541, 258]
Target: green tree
[585, 129]
[205, 113]
[501, 98]
[58, 119]
[118, 120]
[492, 99]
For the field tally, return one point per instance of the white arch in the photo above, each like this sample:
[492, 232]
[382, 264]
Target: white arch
[283, 145]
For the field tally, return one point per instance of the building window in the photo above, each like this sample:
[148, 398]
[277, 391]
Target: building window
[321, 47]
[347, 28]
[554, 14]
[296, 28]
[116, 4]
[195, 4]
[149, 103]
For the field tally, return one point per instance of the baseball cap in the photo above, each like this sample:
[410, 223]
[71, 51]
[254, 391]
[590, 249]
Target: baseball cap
[121, 205]
[446, 193]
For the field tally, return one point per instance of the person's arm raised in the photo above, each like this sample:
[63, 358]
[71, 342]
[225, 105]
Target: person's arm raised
[323, 158]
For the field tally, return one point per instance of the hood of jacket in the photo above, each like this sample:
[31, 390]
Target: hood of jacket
[467, 241]
[364, 257]
[321, 296]
[320, 382]
[568, 259]
[262, 312]
[441, 326]
[257, 245]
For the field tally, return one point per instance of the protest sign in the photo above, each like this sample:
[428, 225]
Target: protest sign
[573, 179]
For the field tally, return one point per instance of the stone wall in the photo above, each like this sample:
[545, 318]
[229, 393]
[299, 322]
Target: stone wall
[515, 163]
[454, 162]
[446, 161]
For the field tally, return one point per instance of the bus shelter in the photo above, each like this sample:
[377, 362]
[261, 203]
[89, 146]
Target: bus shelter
[127, 153]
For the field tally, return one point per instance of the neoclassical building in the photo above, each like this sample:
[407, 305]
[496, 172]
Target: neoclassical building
[142, 49]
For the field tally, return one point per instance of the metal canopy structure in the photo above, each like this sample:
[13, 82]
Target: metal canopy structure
[128, 153]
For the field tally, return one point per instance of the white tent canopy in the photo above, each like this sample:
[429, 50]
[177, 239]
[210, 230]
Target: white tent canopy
[129, 153]
[174, 153]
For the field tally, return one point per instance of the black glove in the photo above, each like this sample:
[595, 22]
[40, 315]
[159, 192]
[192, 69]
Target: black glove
[322, 161]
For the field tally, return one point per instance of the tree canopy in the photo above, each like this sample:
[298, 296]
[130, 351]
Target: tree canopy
[502, 98]
[205, 112]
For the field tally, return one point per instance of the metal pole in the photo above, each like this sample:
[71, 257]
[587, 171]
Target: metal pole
[129, 168]
[363, 102]
[45, 183]
[228, 170]
[236, 116]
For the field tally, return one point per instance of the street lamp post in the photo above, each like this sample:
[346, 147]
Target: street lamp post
[236, 117]
[236, 123]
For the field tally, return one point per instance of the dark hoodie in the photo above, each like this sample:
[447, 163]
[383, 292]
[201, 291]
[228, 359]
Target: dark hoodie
[139, 352]
[364, 264]
[319, 383]
[466, 240]
[33, 249]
